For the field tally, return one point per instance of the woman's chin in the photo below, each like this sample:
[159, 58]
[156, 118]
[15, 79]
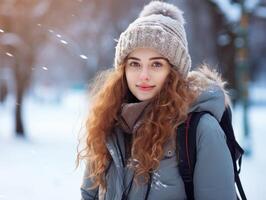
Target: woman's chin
[144, 97]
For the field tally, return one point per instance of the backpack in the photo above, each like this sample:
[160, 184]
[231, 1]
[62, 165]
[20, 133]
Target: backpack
[186, 134]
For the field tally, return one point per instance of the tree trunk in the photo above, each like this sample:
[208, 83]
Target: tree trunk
[18, 111]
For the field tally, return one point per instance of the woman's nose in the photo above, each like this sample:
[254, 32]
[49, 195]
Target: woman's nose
[144, 74]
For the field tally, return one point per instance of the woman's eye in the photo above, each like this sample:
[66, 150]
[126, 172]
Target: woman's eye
[157, 64]
[134, 64]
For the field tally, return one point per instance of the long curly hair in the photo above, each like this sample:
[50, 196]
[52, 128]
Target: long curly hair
[169, 108]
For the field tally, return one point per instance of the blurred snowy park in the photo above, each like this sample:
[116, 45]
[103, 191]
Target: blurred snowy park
[49, 52]
[43, 165]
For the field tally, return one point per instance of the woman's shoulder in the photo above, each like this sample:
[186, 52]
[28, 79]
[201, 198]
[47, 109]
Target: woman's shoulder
[213, 162]
[209, 132]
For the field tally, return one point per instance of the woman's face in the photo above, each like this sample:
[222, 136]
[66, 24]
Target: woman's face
[146, 71]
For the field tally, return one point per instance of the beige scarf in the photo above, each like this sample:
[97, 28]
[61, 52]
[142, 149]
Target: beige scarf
[132, 115]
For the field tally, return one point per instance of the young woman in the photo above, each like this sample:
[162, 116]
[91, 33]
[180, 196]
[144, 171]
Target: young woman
[130, 144]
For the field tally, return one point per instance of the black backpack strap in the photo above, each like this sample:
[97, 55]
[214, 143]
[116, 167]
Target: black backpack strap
[148, 186]
[186, 151]
[235, 149]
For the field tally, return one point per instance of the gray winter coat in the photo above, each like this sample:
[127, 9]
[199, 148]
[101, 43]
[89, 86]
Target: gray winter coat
[213, 175]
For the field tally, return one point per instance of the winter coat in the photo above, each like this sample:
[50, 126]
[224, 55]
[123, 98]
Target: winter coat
[213, 174]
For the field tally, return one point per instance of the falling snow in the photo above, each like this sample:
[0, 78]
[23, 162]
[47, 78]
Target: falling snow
[63, 42]
[84, 57]
[9, 54]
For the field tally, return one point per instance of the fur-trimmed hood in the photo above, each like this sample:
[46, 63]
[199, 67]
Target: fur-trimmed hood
[212, 95]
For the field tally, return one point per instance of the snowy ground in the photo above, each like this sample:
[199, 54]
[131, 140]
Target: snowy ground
[253, 172]
[43, 166]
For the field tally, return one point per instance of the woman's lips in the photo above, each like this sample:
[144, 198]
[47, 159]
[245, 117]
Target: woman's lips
[145, 87]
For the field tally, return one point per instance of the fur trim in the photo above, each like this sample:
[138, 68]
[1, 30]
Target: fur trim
[161, 8]
[204, 77]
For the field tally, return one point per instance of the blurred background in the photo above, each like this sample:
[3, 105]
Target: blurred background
[51, 49]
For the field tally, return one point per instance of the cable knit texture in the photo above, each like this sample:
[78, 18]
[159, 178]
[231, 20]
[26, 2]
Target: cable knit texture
[160, 26]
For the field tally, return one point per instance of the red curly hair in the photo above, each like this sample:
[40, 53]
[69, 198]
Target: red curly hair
[169, 107]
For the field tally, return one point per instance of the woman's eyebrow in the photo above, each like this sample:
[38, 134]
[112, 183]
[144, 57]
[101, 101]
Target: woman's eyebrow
[157, 58]
[153, 58]
[133, 58]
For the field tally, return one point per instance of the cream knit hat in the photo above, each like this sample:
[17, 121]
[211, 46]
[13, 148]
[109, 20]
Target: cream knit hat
[160, 26]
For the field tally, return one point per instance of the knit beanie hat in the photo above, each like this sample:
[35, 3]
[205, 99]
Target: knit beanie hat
[160, 26]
